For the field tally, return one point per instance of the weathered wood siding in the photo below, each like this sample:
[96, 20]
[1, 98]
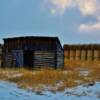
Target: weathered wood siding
[83, 55]
[44, 59]
[17, 58]
[8, 60]
[66, 54]
[96, 55]
[59, 56]
[78, 55]
[0, 55]
[72, 54]
[89, 55]
[83, 52]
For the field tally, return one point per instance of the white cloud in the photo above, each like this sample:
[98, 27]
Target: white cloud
[91, 8]
[89, 27]
[59, 6]
[86, 7]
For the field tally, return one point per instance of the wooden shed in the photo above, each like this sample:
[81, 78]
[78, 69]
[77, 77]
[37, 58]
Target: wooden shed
[33, 52]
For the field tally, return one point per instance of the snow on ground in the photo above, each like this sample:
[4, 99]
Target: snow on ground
[9, 91]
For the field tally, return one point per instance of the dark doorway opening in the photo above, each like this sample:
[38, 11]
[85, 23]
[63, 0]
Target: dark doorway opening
[28, 59]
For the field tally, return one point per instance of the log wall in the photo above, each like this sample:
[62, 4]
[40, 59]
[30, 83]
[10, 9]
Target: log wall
[89, 55]
[96, 55]
[82, 52]
[59, 56]
[72, 54]
[84, 55]
[8, 60]
[78, 55]
[43, 59]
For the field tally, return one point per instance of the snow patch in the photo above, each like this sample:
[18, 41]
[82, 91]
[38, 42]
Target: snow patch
[10, 91]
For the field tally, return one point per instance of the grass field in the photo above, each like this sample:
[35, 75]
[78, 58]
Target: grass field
[53, 80]
[74, 74]
[71, 64]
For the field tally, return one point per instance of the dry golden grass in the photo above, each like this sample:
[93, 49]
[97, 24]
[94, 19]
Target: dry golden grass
[92, 66]
[73, 64]
[26, 78]
[58, 80]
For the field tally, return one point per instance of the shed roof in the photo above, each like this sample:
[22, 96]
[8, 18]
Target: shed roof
[41, 38]
[32, 37]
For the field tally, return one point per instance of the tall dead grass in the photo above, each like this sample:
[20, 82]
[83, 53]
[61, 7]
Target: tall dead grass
[26, 78]
[73, 64]
[57, 79]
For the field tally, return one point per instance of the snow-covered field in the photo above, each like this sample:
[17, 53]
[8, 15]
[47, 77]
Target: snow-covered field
[9, 91]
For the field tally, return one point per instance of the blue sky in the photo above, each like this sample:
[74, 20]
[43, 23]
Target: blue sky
[73, 21]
